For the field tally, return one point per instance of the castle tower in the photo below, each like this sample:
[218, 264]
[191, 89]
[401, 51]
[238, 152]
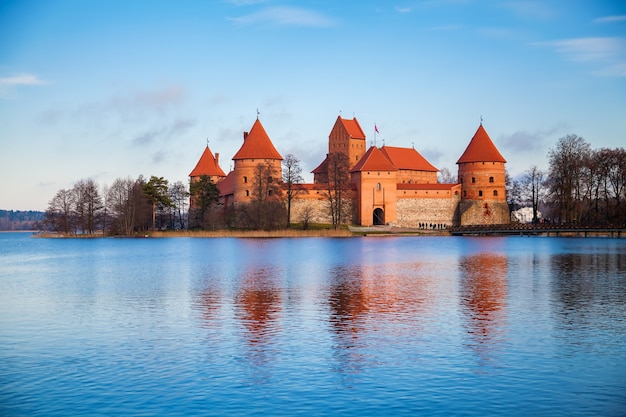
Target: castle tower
[207, 165]
[482, 177]
[346, 137]
[257, 149]
[375, 178]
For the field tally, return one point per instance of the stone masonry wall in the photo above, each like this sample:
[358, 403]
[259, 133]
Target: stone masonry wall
[484, 212]
[413, 211]
[318, 211]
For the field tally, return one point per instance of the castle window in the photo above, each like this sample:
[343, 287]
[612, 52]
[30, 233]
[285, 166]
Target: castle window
[464, 193]
[473, 180]
[480, 193]
[245, 180]
[269, 192]
[490, 179]
[378, 186]
[461, 180]
[495, 193]
[247, 193]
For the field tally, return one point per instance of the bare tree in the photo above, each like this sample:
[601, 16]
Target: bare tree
[60, 214]
[514, 195]
[292, 176]
[445, 176]
[338, 187]
[122, 205]
[88, 204]
[567, 164]
[178, 195]
[534, 183]
[617, 180]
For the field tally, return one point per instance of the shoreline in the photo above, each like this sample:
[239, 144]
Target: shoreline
[282, 233]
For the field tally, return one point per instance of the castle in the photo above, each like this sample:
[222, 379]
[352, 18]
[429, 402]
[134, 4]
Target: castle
[388, 185]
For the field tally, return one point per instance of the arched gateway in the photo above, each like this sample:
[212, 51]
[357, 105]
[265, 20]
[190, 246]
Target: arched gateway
[379, 217]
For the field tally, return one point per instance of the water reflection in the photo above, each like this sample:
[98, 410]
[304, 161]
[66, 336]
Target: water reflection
[258, 309]
[372, 306]
[483, 291]
[348, 309]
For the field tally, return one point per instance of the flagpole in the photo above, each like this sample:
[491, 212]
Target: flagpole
[375, 132]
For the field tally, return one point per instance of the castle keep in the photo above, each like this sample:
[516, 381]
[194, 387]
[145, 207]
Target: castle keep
[387, 185]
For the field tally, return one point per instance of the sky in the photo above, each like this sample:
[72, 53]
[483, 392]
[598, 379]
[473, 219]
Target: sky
[116, 89]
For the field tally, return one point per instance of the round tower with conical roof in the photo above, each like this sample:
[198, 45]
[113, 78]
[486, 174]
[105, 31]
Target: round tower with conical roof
[482, 176]
[257, 149]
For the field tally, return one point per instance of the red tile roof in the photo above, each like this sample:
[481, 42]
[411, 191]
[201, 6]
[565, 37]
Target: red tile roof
[374, 160]
[353, 128]
[207, 165]
[227, 185]
[321, 168]
[257, 145]
[407, 158]
[481, 149]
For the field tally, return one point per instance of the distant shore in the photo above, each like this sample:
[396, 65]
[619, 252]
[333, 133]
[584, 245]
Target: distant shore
[282, 233]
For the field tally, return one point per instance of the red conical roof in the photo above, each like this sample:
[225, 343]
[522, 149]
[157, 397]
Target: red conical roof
[207, 165]
[374, 160]
[481, 149]
[257, 145]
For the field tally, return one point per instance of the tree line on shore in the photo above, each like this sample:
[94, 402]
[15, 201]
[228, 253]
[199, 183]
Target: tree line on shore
[581, 186]
[20, 219]
[130, 206]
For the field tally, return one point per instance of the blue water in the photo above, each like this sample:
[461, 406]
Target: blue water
[281, 327]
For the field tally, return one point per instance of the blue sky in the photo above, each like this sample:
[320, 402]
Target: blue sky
[110, 89]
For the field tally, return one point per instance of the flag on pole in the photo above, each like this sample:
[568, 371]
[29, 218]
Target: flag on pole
[375, 128]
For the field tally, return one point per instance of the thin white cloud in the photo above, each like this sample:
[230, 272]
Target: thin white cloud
[497, 33]
[18, 81]
[137, 105]
[608, 52]
[533, 9]
[400, 9]
[245, 2]
[610, 19]
[531, 142]
[175, 129]
[285, 16]
[615, 70]
[448, 28]
[586, 49]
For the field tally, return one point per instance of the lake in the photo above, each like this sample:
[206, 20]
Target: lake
[312, 326]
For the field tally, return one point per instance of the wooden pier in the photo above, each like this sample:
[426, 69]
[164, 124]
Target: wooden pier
[539, 230]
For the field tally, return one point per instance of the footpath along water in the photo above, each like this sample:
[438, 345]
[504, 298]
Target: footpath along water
[313, 326]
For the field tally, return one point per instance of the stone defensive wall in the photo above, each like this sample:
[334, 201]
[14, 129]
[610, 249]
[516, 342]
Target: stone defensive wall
[316, 210]
[436, 211]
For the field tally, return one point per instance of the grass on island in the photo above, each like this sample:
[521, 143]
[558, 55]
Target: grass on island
[296, 230]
